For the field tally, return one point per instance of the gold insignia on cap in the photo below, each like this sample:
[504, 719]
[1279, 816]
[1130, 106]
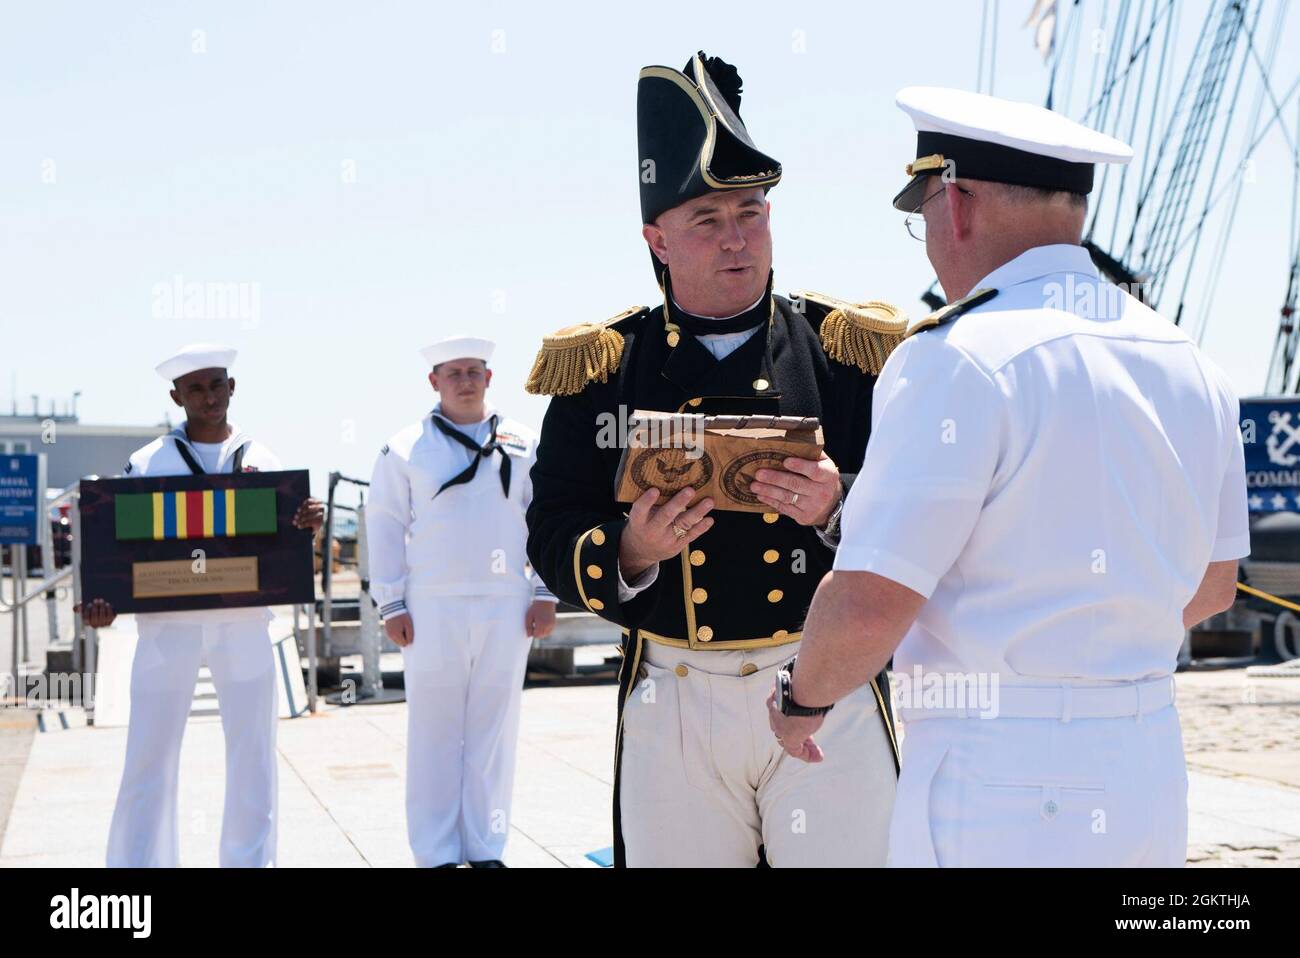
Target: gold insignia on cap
[923, 163]
[859, 334]
[574, 356]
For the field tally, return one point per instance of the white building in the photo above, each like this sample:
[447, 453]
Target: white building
[74, 449]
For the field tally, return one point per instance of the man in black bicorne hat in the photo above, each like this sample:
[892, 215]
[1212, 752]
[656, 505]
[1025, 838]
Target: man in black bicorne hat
[712, 602]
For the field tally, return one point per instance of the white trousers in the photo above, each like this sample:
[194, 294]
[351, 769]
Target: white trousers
[704, 783]
[1015, 792]
[145, 831]
[464, 678]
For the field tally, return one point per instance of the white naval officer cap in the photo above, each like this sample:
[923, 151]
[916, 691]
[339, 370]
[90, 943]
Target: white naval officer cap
[458, 347]
[196, 356]
[988, 138]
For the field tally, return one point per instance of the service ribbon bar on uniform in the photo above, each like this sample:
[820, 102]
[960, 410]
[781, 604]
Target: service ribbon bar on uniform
[198, 514]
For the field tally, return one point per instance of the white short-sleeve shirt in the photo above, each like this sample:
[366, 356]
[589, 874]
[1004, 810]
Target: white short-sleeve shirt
[1053, 470]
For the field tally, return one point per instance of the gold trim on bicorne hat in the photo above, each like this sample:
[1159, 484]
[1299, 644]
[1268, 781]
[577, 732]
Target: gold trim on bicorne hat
[859, 334]
[574, 356]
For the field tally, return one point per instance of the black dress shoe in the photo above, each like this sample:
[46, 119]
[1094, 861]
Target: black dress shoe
[492, 863]
[448, 865]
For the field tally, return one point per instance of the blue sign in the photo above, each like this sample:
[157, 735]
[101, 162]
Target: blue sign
[22, 499]
[1270, 431]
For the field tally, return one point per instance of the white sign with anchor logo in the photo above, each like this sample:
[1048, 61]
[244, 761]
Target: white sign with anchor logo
[1278, 447]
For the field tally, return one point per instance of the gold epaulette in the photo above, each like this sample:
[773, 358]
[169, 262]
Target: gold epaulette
[574, 356]
[859, 334]
[946, 314]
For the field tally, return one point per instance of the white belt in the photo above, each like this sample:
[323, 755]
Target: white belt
[1062, 702]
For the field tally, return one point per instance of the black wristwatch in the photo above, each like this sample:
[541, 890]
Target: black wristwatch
[785, 700]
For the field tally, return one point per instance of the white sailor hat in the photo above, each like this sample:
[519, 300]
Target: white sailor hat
[986, 138]
[458, 347]
[196, 356]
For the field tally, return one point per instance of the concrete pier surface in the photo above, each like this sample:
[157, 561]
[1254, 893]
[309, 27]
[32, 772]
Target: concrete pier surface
[341, 776]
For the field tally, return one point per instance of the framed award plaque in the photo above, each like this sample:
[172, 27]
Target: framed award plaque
[174, 543]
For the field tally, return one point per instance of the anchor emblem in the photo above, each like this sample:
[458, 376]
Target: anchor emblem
[1277, 448]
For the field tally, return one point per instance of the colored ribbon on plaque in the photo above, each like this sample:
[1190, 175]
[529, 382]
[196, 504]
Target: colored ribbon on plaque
[196, 514]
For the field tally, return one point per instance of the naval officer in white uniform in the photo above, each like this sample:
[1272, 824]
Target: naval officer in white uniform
[446, 533]
[1054, 490]
[235, 644]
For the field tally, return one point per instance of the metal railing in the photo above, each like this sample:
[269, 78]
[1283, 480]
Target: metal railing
[84, 638]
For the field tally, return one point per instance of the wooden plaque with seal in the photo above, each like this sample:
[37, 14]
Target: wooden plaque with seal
[715, 455]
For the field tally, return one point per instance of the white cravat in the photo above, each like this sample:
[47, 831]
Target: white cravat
[722, 345]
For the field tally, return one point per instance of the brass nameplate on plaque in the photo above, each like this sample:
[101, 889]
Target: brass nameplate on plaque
[151, 580]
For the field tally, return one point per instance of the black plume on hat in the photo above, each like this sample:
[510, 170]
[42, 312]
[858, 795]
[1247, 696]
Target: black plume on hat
[690, 137]
[724, 76]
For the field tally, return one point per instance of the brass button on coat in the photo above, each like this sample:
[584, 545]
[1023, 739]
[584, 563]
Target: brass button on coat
[673, 338]
[596, 604]
[771, 555]
[681, 671]
[749, 668]
[776, 595]
[697, 557]
[704, 634]
[598, 537]
[595, 571]
[695, 402]
[780, 634]
[698, 596]
[770, 517]
[761, 384]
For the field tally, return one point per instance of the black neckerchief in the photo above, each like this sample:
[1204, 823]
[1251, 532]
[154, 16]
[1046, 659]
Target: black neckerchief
[755, 316]
[480, 453]
[196, 468]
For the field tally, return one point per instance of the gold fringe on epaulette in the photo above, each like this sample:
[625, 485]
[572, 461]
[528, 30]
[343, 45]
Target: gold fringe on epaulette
[863, 334]
[572, 357]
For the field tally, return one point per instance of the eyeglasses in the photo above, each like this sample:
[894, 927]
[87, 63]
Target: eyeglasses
[915, 222]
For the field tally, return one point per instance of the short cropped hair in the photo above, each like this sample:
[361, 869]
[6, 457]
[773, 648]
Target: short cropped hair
[1030, 194]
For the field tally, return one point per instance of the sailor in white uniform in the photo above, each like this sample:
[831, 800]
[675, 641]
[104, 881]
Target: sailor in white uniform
[1053, 492]
[235, 644]
[448, 570]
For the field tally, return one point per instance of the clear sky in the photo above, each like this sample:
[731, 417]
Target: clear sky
[380, 175]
